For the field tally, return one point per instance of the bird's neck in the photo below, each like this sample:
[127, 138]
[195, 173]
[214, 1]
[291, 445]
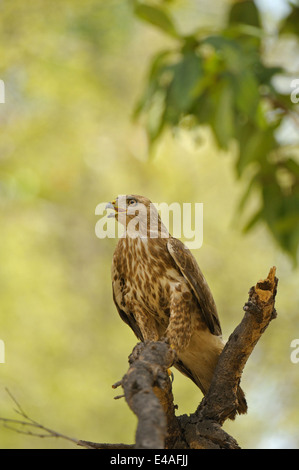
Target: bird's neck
[140, 228]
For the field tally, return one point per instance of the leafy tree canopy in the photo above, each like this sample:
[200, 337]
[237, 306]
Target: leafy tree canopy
[221, 79]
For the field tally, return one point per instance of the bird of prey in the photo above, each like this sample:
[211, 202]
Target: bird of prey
[160, 292]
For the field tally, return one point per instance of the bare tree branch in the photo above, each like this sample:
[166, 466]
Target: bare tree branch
[96, 445]
[221, 398]
[202, 429]
[148, 391]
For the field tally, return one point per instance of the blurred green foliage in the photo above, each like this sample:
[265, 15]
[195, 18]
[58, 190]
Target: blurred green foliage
[72, 74]
[220, 78]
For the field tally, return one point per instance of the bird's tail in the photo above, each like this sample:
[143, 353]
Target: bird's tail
[242, 403]
[241, 406]
[199, 366]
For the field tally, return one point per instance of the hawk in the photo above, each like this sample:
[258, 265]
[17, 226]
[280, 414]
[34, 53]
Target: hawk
[160, 292]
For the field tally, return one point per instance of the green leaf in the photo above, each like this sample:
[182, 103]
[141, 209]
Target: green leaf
[255, 144]
[236, 56]
[155, 116]
[223, 120]
[247, 95]
[264, 74]
[244, 11]
[272, 199]
[251, 185]
[159, 67]
[219, 42]
[292, 166]
[291, 22]
[157, 17]
[253, 221]
[186, 75]
[205, 108]
[281, 214]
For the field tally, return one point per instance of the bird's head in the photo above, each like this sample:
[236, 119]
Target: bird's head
[126, 208]
[137, 213]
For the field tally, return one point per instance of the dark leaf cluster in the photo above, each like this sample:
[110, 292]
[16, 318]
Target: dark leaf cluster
[221, 81]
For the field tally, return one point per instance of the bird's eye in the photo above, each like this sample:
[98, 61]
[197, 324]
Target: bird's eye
[132, 202]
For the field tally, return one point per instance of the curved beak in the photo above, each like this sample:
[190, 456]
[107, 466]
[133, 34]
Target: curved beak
[111, 205]
[117, 208]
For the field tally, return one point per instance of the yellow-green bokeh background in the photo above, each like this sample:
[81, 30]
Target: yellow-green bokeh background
[73, 72]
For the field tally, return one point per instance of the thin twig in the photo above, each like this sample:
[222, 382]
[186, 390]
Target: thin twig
[29, 422]
[117, 384]
[22, 426]
[96, 445]
[117, 397]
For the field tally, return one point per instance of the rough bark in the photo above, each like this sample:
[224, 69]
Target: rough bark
[148, 392]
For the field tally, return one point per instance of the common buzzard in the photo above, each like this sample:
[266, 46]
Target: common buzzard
[160, 292]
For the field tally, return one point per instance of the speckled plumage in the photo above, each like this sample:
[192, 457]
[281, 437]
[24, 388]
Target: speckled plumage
[159, 292]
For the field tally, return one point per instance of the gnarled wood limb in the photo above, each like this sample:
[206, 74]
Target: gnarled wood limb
[146, 384]
[221, 398]
[148, 391]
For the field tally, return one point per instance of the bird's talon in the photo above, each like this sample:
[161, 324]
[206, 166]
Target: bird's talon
[170, 374]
